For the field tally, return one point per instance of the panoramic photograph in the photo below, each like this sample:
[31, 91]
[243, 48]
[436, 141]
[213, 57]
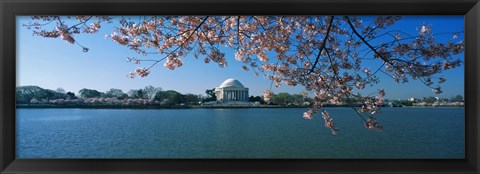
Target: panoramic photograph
[240, 87]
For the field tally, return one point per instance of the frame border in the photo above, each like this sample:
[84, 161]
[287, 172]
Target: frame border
[9, 9]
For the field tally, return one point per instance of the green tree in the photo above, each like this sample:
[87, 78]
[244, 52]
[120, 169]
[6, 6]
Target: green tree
[430, 99]
[210, 95]
[191, 99]
[160, 96]
[150, 91]
[71, 95]
[172, 98]
[136, 93]
[259, 99]
[251, 99]
[52, 95]
[61, 90]
[443, 100]
[117, 93]
[89, 93]
[24, 94]
[457, 98]
[297, 99]
[282, 98]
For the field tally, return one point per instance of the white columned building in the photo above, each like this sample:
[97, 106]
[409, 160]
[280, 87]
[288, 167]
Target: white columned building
[231, 90]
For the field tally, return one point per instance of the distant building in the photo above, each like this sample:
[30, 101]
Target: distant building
[231, 90]
[411, 99]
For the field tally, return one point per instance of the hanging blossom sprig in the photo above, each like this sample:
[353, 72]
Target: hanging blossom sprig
[64, 30]
[325, 54]
[329, 122]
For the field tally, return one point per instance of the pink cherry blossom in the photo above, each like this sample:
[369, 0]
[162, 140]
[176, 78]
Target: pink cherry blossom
[142, 72]
[437, 90]
[267, 95]
[308, 115]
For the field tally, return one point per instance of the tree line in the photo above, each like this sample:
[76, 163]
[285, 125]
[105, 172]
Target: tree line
[148, 95]
[282, 98]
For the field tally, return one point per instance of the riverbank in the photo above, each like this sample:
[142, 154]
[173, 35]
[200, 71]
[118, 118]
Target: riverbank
[191, 106]
[152, 106]
[100, 106]
[226, 106]
[433, 106]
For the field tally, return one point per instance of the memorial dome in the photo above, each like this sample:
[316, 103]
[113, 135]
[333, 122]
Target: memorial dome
[231, 83]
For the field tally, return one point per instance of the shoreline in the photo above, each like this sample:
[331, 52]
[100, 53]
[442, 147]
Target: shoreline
[51, 106]
[434, 106]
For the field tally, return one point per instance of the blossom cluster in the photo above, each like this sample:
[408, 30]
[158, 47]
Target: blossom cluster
[64, 30]
[142, 72]
[329, 122]
[372, 124]
[267, 95]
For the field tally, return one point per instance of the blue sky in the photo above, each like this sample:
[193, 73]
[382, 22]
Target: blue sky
[53, 63]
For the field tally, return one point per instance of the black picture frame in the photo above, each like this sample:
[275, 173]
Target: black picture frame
[11, 8]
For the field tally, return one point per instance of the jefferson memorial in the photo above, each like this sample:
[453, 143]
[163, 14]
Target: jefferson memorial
[231, 90]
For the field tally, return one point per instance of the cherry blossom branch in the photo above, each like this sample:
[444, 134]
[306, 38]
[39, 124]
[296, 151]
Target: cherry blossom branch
[365, 42]
[345, 95]
[378, 54]
[323, 44]
[183, 43]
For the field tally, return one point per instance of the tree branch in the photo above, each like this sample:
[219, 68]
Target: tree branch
[196, 29]
[352, 105]
[379, 55]
[366, 42]
[324, 44]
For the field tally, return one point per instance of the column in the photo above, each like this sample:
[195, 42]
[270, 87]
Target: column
[224, 95]
[246, 95]
[243, 95]
[236, 95]
[228, 95]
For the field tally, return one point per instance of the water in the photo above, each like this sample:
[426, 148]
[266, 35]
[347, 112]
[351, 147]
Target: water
[236, 133]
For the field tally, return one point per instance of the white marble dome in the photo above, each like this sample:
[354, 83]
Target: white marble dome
[231, 83]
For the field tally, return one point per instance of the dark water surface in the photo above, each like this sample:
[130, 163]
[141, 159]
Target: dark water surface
[236, 133]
